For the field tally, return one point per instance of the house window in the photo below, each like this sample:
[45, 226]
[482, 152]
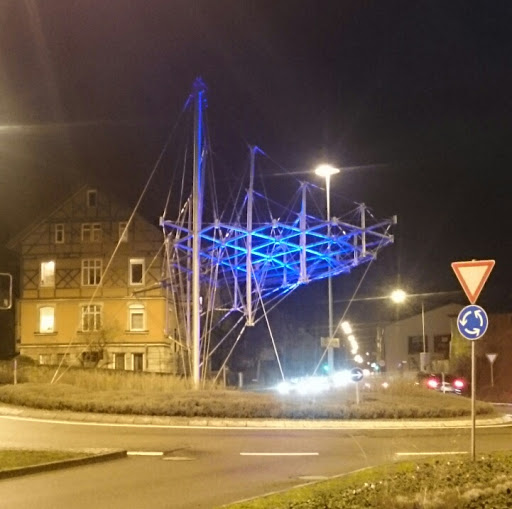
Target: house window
[123, 231]
[138, 361]
[442, 345]
[45, 359]
[91, 232]
[91, 318]
[137, 317]
[59, 233]
[46, 319]
[137, 271]
[92, 198]
[47, 274]
[91, 272]
[416, 344]
[119, 361]
[91, 358]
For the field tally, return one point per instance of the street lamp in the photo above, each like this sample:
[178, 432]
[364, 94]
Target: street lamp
[399, 296]
[326, 171]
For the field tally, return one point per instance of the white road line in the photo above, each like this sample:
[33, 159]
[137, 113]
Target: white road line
[430, 453]
[278, 454]
[144, 453]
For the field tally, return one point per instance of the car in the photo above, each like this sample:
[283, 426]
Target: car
[443, 382]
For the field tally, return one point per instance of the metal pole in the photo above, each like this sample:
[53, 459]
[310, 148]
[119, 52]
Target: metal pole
[473, 392]
[303, 278]
[423, 326]
[248, 263]
[197, 206]
[330, 350]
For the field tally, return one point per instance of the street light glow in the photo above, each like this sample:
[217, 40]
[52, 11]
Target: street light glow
[346, 328]
[398, 296]
[326, 170]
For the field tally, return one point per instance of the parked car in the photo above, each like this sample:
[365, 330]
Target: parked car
[443, 382]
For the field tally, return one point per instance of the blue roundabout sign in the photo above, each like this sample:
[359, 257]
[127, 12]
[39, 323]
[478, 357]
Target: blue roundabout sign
[472, 322]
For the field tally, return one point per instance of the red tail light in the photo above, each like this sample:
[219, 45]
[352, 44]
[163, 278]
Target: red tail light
[432, 383]
[458, 384]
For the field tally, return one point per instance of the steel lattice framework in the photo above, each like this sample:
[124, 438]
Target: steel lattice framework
[262, 254]
[278, 255]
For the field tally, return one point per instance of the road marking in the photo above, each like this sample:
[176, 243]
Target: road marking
[144, 453]
[431, 453]
[278, 454]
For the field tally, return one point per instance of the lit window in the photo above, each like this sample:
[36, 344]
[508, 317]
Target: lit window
[47, 274]
[137, 317]
[123, 231]
[138, 361]
[46, 319]
[59, 233]
[92, 198]
[91, 318]
[137, 271]
[91, 232]
[45, 358]
[91, 272]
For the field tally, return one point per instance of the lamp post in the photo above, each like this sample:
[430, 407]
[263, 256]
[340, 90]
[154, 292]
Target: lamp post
[399, 296]
[326, 171]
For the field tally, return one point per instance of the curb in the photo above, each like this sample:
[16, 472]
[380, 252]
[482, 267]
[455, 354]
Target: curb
[11, 411]
[57, 465]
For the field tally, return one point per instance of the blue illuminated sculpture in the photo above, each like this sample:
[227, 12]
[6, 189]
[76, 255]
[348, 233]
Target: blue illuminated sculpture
[248, 262]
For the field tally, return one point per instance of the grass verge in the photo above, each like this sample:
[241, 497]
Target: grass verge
[436, 484]
[19, 458]
[116, 392]
[417, 403]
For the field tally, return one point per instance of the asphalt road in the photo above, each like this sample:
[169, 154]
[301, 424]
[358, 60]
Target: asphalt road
[205, 468]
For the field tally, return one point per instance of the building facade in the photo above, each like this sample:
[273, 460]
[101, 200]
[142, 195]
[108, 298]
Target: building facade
[90, 291]
[404, 342]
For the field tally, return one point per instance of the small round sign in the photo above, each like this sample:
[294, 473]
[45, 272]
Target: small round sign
[472, 322]
[356, 374]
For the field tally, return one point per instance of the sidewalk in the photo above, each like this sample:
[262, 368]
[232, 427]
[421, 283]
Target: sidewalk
[9, 411]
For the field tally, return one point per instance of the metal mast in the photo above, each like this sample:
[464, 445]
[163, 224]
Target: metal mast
[197, 216]
[248, 278]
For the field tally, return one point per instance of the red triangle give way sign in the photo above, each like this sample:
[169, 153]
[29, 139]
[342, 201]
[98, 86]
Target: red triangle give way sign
[472, 276]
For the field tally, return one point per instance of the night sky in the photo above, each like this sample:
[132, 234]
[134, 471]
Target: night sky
[418, 94]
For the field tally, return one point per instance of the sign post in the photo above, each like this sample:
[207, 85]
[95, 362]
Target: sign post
[491, 357]
[356, 375]
[472, 321]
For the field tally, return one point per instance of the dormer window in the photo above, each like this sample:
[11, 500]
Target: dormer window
[92, 198]
[59, 233]
[123, 231]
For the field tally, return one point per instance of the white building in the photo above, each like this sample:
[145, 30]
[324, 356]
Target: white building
[403, 341]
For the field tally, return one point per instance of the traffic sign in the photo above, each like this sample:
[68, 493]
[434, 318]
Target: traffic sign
[472, 322]
[330, 342]
[356, 374]
[491, 357]
[472, 276]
